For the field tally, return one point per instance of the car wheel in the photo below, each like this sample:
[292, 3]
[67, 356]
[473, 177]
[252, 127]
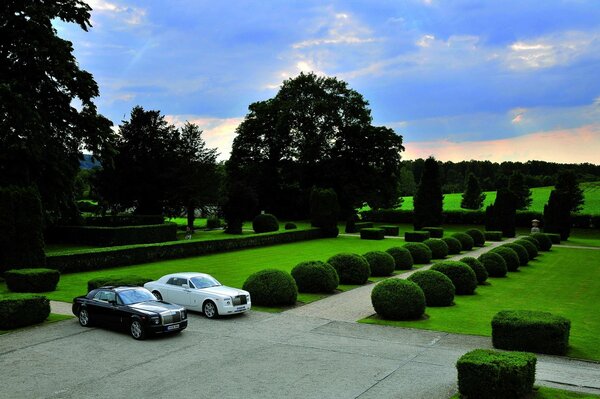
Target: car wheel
[84, 317]
[157, 295]
[137, 329]
[210, 309]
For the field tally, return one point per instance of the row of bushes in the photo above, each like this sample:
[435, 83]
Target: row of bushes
[113, 236]
[123, 220]
[32, 280]
[20, 310]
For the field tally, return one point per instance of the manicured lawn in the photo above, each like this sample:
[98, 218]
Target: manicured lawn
[565, 281]
[51, 319]
[551, 393]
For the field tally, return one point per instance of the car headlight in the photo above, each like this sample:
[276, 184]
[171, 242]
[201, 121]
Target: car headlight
[155, 320]
[183, 314]
[228, 300]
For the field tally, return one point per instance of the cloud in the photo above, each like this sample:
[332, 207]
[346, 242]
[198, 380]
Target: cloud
[425, 41]
[341, 29]
[130, 15]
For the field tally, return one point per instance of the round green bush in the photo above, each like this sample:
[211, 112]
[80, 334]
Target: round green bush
[532, 251]
[465, 240]
[117, 281]
[461, 275]
[351, 268]
[271, 287]
[454, 246]
[32, 280]
[544, 240]
[439, 249]
[264, 223]
[420, 252]
[315, 276]
[532, 240]
[494, 264]
[402, 258]
[437, 287]
[20, 310]
[290, 226]
[480, 271]
[398, 299]
[521, 252]
[510, 257]
[477, 236]
[381, 263]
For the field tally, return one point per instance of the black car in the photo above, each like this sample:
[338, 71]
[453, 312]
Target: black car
[132, 308]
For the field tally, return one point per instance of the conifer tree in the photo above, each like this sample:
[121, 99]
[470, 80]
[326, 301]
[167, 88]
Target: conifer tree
[502, 214]
[428, 200]
[473, 197]
[557, 215]
[516, 184]
[567, 185]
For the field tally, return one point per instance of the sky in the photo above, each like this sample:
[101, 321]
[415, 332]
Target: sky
[458, 79]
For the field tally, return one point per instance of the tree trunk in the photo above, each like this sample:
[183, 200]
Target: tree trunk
[191, 215]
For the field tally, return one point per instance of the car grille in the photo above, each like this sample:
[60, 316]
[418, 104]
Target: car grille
[171, 317]
[239, 300]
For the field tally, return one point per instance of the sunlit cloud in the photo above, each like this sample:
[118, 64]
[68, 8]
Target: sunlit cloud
[425, 40]
[130, 15]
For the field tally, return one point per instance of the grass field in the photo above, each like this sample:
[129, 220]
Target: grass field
[565, 281]
[552, 393]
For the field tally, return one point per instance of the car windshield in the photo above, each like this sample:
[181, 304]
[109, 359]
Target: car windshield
[204, 282]
[136, 295]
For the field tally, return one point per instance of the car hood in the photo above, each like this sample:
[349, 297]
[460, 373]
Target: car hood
[223, 290]
[154, 306]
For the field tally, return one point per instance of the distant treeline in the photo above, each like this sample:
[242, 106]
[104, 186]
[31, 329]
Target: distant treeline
[493, 175]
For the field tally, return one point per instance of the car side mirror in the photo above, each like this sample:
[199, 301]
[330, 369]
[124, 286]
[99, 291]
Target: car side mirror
[185, 285]
[113, 302]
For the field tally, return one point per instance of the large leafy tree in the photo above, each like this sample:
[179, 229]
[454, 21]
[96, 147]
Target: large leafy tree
[516, 184]
[428, 200]
[315, 132]
[473, 197]
[42, 133]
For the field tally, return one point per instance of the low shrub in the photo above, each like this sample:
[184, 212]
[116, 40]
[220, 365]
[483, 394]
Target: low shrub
[532, 240]
[416, 236]
[421, 254]
[372, 234]
[439, 249]
[271, 287]
[531, 331]
[437, 287]
[264, 223]
[531, 249]
[398, 299]
[461, 275]
[489, 374]
[454, 246]
[554, 238]
[492, 235]
[510, 257]
[381, 263]
[402, 258]
[477, 236]
[466, 241]
[521, 252]
[480, 271]
[105, 236]
[434, 232]
[20, 310]
[290, 226]
[315, 276]
[351, 268]
[545, 243]
[494, 264]
[116, 281]
[363, 225]
[390, 230]
[32, 280]
[213, 222]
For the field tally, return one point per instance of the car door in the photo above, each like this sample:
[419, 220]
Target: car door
[176, 291]
[100, 309]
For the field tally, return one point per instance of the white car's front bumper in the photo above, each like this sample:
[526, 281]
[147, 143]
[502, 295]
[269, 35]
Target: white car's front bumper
[225, 309]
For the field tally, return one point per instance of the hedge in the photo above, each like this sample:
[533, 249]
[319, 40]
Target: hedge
[489, 374]
[117, 281]
[492, 235]
[271, 287]
[434, 232]
[510, 257]
[555, 238]
[315, 276]
[372, 234]
[32, 280]
[494, 264]
[544, 240]
[454, 246]
[532, 251]
[466, 241]
[351, 268]
[439, 249]
[532, 240]
[477, 236]
[104, 258]
[521, 252]
[531, 331]
[416, 236]
[398, 299]
[480, 271]
[381, 263]
[123, 220]
[265, 223]
[437, 287]
[390, 230]
[20, 310]
[113, 236]
[290, 226]
[461, 275]
[358, 226]
[402, 258]
[420, 252]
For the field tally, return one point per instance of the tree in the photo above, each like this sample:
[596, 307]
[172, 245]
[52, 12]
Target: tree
[408, 187]
[567, 185]
[557, 214]
[516, 184]
[240, 204]
[41, 132]
[428, 201]
[324, 210]
[473, 197]
[501, 216]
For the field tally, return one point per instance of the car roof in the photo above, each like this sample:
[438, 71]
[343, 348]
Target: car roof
[187, 275]
[118, 288]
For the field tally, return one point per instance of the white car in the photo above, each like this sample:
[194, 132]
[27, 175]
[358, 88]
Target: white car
[200, 292]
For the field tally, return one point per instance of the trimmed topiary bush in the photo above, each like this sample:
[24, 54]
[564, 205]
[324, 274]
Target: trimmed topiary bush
[213, 222]
[554, 238]
[531, 331]
[521, 252]
[465, 240]
[545, 243]
[494, 264]
[437, 287]
[510, 257]
[372, 234]
[390, 230]
[416, 236]
[264, 223]
[290, 226]
[351, 268]
[397, 299]
[271, 287]
[461, 275]
[381, 263]
[477, 236]
[434, 232]
[532, 251]
[439, 249]
[315, 276]
[116, 281]
[402, 258]
[420, 252]
[532, 240]
[492, 235]
[20, 310]
[454, 246]
[363, 225]
[488, 374]
[32, 280]
[480, 270]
